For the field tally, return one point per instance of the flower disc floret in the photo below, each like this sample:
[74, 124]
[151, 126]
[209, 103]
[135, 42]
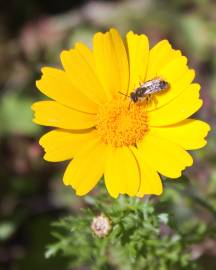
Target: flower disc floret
[121, 123]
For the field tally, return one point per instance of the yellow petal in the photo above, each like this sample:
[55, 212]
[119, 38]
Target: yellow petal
[80, 69]
[164, 156]
[56, 85]
[174, 70]
[60, 144]
[180, 108]
[190, 133]
[160, 55]
[138, 51]
[121, 172]
[179, 77]
[111, 62]
[51, 113]
[150, 180]
[84, 171]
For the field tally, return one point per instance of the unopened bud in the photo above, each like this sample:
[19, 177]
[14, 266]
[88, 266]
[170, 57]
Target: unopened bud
[101, 226]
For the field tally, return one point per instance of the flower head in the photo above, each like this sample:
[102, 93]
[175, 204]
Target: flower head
[101, 226]
[103, 131]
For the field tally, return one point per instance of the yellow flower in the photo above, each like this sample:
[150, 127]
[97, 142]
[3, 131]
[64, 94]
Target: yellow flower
[103, 132]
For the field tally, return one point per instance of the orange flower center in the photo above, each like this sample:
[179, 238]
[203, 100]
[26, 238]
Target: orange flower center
[121, 123]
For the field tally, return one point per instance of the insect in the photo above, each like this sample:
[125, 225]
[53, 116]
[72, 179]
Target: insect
[147, 89]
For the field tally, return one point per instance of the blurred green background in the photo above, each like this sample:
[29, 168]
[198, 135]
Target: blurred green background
[32, 195]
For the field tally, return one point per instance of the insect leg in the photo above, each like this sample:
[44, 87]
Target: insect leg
[155, 101]
[148, 98]
[151, 99]
[123, 94]
[129, 104]
[140, 81]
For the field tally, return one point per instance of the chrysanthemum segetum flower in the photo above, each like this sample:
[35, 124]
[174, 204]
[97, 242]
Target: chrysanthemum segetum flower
[102, 132]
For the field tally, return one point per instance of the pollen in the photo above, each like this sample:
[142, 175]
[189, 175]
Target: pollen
[121, 123]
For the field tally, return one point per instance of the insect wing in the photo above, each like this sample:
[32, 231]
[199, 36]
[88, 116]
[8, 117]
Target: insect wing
[152, 86]
[150, 90]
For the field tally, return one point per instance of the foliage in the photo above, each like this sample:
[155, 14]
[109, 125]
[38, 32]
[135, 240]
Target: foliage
[141, 238]
[16, 115]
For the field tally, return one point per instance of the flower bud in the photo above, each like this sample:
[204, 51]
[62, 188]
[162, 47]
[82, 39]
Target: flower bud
[101, 225]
